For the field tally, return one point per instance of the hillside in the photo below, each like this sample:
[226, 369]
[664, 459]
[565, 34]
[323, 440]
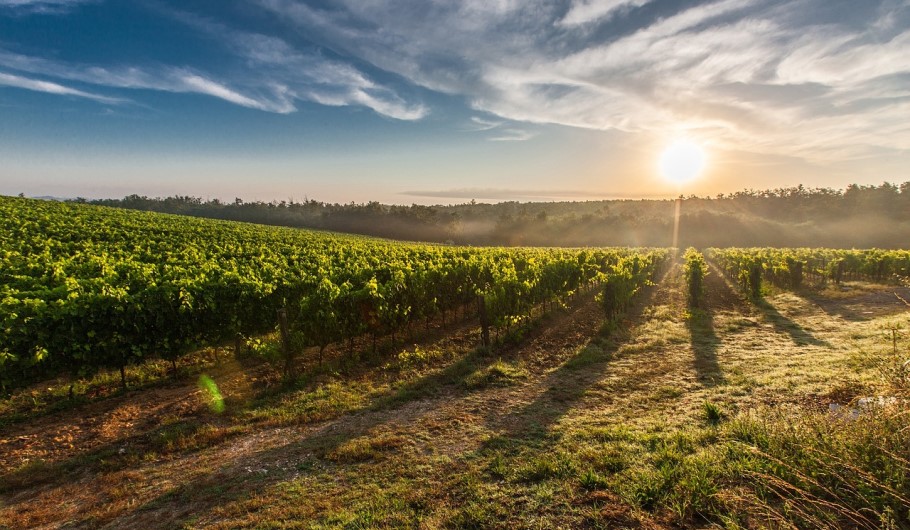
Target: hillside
[161, 371]
[575, 425]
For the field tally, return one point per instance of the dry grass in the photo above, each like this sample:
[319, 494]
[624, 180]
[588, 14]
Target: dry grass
[571, 427]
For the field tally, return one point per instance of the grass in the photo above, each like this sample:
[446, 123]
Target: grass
[569, 426]
[498, 373]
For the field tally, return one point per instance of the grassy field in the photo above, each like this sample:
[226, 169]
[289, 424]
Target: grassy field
[677, 417]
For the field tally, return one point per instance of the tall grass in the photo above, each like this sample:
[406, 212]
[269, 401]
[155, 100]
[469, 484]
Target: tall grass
[821, 471]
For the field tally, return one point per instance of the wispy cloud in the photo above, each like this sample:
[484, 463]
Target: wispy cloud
[588, 11]
[53, 88]
[499, 131]
[512, 135]
[166, 79]
[307, 76]
[22, 7]
[271, 75]
[803, 78]
[483, 124]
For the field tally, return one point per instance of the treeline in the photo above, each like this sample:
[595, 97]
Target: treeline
[858, 216]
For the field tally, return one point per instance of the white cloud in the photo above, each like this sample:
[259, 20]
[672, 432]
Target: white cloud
[304, 76]
[52, 88]
[166, 79]
[275, 75]
[201, 85]
[587, 11]
[512, 135]
[793, 78]
[481, 124]
[43, 6]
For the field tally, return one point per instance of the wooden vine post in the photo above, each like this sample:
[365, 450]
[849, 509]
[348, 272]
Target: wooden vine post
[484, 320]
[286, 350]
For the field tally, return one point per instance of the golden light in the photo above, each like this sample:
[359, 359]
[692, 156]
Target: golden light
[682, 161]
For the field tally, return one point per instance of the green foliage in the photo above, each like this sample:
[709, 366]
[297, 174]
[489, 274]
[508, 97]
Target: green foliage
[790, 268]
[816, 470]
[85, 287]
[713, 413]
[625, 278]
[696, 269]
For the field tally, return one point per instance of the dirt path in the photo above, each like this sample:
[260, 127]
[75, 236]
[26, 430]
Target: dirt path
[652, 374]
[448, 416]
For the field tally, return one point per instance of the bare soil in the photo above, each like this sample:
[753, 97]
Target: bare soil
[102, 465]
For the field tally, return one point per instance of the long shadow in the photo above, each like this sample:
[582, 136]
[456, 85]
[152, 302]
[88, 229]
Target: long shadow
[111, 458]
[780, 322]
[705, 343]
[857, 309]
[784, 325]
[234, 481]
[569, 383]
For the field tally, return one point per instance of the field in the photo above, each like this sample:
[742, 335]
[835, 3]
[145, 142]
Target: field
[609, 394]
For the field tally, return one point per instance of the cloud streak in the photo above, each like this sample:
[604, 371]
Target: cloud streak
[268, 74]
[798, 78]
[303, 76]
[45, 7]
[53, 88]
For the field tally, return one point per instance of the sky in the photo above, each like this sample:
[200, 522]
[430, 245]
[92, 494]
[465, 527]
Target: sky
[445, 101]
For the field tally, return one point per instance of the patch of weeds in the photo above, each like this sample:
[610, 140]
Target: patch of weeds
[478, 515]
[325, 402]
[498, 374]
[829, 472]
[680, 477]
[667, 392]
[648, 487]
[619, 433]
[695, 489]
[416, 358]
[498, 468]
[390, 510]
[592, 480]
[614, 461]
[712, 412]
[187, 435]
[367, 447]
[546, 466]
[592, 353]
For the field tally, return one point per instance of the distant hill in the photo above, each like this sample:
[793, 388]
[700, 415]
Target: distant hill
[855, 217]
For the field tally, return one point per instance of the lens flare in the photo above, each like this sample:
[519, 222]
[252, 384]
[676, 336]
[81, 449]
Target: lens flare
[213, 395]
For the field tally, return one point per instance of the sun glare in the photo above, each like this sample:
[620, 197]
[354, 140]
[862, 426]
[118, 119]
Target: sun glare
[682, 161]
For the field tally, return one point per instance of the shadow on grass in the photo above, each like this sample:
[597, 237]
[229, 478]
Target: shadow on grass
[786, 326]
[566, 385]
[293, 454]
[863, 306]
[705, 343]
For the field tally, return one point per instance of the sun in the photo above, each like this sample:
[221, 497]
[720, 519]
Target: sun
[682, 161]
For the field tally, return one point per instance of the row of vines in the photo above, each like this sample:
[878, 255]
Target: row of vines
[84, 287]
[793, 268]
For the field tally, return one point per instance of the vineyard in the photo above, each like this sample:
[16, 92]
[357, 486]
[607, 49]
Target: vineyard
[364, 383]
[83, 288]
[794, 268]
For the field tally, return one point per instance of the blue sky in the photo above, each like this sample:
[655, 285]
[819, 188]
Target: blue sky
[438, 101]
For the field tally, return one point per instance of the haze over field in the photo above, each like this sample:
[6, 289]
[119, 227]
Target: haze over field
[444, 102]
